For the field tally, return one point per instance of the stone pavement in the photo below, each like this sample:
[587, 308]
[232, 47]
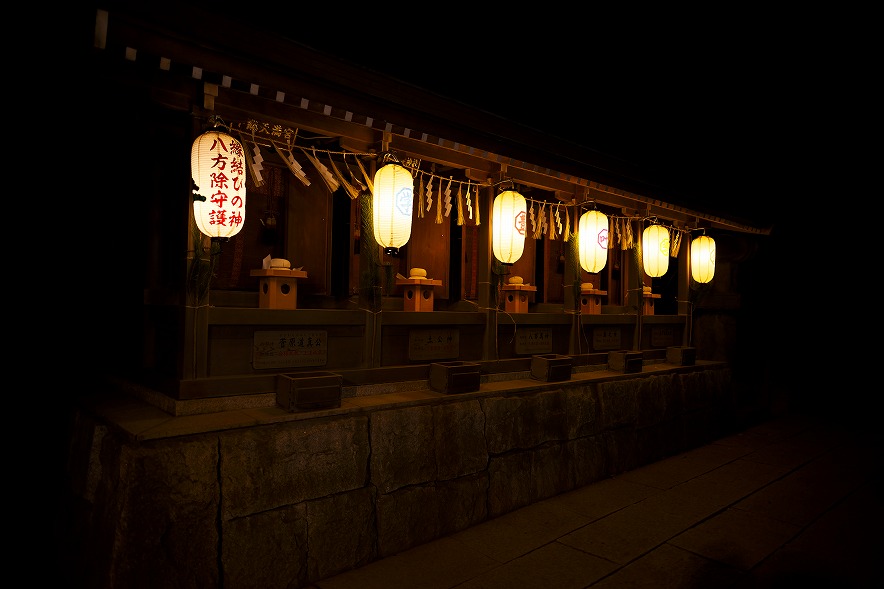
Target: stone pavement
[793, 501]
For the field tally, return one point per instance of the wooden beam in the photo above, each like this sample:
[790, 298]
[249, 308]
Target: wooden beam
[324, 114]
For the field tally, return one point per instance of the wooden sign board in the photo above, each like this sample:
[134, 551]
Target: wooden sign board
[289, 349]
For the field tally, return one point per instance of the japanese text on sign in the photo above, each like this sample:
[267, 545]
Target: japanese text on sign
[534, 341]
[662, 336]
[433, 344]
[606, 338]
[286, 349]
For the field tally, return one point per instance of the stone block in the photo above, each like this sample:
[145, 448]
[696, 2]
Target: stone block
[262, 547]
[459, 433]
[403, 448]
[334, 548]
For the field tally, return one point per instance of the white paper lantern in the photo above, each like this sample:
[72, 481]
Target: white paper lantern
[655, 250]
[218, 170]
[703, 259]
[593, 241]
[392, 205]
[508, 226]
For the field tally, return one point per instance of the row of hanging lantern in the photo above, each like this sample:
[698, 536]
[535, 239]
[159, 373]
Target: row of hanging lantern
[217, 163]
[508, 240]
[656, 248]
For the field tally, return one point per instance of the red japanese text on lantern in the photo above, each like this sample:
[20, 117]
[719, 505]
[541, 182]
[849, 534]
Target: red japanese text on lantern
[218, 169]
[520, 223]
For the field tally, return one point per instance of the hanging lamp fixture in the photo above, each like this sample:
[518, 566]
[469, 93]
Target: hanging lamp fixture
[593, 241]
[703, 259]
[392, 205]
[217, 168]
[508, 225]
[655, 250]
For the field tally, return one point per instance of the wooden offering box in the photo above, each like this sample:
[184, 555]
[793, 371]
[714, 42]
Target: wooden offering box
[648, 303]
[681, 355]
[591, 301]
[278, 288]
[623, 361]
[305, 391]
[418, 293]
[551, 367]
[516, 297]
[454, 377]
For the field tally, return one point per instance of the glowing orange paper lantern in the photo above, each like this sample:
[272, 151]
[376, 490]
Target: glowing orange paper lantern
[593, 241]
[508, 226]
[655, 250]
[392, 205]
[217, 167]
[703, 259]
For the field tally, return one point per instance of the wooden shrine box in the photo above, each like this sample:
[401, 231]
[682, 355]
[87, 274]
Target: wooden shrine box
[454, 377]
[681, 355]
[624, 361]
[516, 297]
[648, 303]
[551, 367]
[278, 287]
[417, 293]
[591, 301]
[306, 391]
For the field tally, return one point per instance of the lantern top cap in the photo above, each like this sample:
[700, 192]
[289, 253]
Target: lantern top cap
[507, 184]
[388, 157]
[218, 124]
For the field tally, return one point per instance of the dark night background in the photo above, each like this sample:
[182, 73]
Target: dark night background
[714, 112]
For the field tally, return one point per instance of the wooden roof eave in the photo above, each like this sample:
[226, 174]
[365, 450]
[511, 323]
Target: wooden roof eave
[484, 141]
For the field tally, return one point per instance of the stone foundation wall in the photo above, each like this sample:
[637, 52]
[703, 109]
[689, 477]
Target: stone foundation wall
[286, 504]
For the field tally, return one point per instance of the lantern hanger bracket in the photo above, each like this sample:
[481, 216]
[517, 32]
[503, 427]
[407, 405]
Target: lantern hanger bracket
[388, 157]
[218, 123]
[512, 185]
